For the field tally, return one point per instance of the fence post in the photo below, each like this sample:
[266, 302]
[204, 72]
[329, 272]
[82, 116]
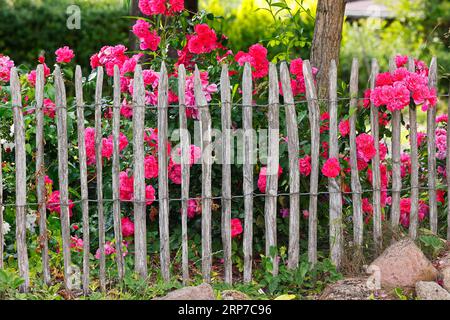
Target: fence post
[40, 173]
[163, 189]
[83, 177]
[431, 143]
[334, 187]
[396, 163]
[185, 169]
[376, 182]
[248, 165]
[413, 216]
[314, 120]
[226, 172]
[1, 208]
[294, 174]
[270, 210]
[21, 179]
[358, 226]
[63, 172]
[448, 171]
[99, 176]
[205, 131]
[116, 173]
[139, 173]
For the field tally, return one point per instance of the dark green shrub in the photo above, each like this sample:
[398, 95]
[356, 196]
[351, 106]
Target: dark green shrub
[28, 27]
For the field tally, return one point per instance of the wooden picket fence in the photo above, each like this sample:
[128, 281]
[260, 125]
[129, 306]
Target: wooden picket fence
[270, 212]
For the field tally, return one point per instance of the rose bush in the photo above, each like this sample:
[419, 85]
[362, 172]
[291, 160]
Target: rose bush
[167, 33]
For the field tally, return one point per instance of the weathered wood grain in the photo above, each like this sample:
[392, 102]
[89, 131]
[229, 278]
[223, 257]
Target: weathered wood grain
[40, 174]
[270, 209]
[448, 171]
[163, 182]
[396, 163]
[99, 177]
[248, 165]
[83, 177]
[139, 174]
[431, 145]
[226, 172]
[334, 188]
[115, 175]
[63, 172]
[185, 170]
[314, 120]
[205, 131]
[294, 173]
[413, 215]
[21, 179]
[358, 224]
[376, 175]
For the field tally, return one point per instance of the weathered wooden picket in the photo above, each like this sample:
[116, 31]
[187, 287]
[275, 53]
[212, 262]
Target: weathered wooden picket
[270, 212]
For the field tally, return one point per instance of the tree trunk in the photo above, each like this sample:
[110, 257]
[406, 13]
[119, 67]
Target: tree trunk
[191, 6]
[134, 12]
[327, 40]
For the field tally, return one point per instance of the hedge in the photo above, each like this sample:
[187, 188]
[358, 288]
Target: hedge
[29, 27]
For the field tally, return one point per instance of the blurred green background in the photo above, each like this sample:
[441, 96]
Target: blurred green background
[415, 27]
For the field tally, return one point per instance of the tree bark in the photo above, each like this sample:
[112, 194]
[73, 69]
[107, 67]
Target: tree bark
[191, 5]
[327, 40]
[134, 12]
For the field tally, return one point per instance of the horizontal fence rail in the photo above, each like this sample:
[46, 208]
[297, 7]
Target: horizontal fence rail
[278, 82]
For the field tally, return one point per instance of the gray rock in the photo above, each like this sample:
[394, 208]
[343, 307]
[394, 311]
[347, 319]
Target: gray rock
[445, 273]
[347, 289]
[234, 295]
[201, 292]
[403, 264]
[430, 290]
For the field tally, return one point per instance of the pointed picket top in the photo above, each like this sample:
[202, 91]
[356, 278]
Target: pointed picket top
[163, 183]
[225, 94]
[21, 179]
[185, 170]
[139, 173]
[431, 146]
[115, 173]
[198, 92]
[83, 177]
[248, 167]
[63, 171]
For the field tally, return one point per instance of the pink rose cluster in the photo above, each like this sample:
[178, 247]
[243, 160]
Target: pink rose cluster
[174, 168]
[126, 189]
[257, 58]
[6, 64]
[396, 89]
[149, 39]
[405, 209]
[54, 200]
[107, 145]
[164, 7]
[298, 79]
[207, 88]
[204, 40]
[64, 55]
[262, 179]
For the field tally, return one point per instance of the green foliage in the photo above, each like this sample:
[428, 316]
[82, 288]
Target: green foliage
[9, 283]
[306, 279]
[431, 245]
[285, 27]
[28, 27]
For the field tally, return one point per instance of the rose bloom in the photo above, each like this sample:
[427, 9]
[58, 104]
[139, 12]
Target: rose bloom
[304, 165]
[344, 127]
[331, 168]
[236, 227]
[127, 227]
[64, 55]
